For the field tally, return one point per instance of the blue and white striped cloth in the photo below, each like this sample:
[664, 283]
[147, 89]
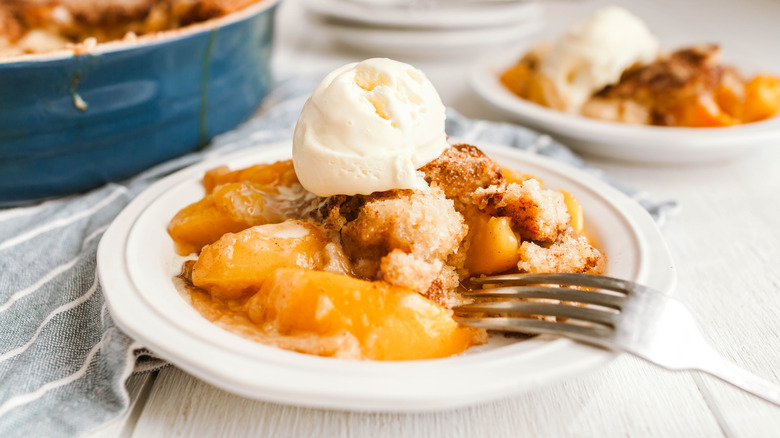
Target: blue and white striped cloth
[63, 361]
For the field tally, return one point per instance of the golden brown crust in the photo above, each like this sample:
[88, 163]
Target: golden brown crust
[335, 211]
[423, 223]
[73, 21]
[538, 214]
[10, 27]
[439, 291]
[420, 240]
[461, 170]
[571, 252]
[683, 71]
[107, 12]
[404, 237]
[662, 85]
[409, 270]
[38, 13]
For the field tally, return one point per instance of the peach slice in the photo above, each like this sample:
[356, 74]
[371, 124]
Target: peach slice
[493, 246]
[238, 264]
[389, 322]
[762, 98]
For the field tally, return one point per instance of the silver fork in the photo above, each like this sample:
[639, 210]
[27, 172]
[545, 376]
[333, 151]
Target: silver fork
[618, 314]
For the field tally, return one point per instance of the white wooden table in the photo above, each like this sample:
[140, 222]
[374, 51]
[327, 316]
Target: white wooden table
[725, 242]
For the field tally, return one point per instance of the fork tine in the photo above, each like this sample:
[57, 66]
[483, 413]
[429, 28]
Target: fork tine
[541, 309]
[552, 293]
[597, 334]
[583, 280]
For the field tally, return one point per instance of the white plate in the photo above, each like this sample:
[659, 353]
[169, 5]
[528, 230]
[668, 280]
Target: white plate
[136, 264]
[645, 144]
[442, 17]
[436, 43]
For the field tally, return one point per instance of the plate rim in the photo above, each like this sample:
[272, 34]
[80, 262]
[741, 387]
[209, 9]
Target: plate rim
[354, 12]
[417, 41]
[121, 301]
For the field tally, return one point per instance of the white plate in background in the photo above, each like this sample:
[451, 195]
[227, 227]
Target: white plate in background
[137, 263]
[425, 42]
[456, 15]
[642, 144]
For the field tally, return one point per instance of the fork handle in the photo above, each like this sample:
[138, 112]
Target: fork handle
[721, 368]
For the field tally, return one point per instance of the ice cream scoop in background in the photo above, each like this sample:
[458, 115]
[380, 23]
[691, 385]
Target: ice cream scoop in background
[594, 53]
[368, 127]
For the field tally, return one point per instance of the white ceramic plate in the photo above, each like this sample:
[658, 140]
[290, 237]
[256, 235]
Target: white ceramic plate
[645, 144]
[136, 264]
[443, 16]
[424, 42]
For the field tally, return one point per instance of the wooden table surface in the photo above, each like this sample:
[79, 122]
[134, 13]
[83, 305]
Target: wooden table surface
[725, 242]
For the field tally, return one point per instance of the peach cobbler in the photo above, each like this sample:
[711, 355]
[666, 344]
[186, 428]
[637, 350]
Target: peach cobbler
[610, 68]
[369, 276]
[37, 26]
[300, 255]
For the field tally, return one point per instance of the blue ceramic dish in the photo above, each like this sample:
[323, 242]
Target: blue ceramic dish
[70, 123]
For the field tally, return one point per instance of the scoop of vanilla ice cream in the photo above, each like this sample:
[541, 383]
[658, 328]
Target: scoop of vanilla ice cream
[595, 52]
[368, 127]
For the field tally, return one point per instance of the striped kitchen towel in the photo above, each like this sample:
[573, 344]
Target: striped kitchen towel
[63, 361]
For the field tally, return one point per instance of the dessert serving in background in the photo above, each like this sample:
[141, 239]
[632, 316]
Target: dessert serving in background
[610, 67]
[359, 246]
[39, 26]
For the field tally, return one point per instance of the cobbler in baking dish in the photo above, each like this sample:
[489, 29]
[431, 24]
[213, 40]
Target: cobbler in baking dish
[39, 26]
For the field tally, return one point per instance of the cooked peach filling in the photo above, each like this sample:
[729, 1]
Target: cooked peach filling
[369, 277]
[389, 322]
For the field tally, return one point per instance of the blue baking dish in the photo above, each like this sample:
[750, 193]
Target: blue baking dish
[70, 123]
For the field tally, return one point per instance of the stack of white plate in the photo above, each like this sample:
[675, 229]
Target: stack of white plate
[427, 27]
